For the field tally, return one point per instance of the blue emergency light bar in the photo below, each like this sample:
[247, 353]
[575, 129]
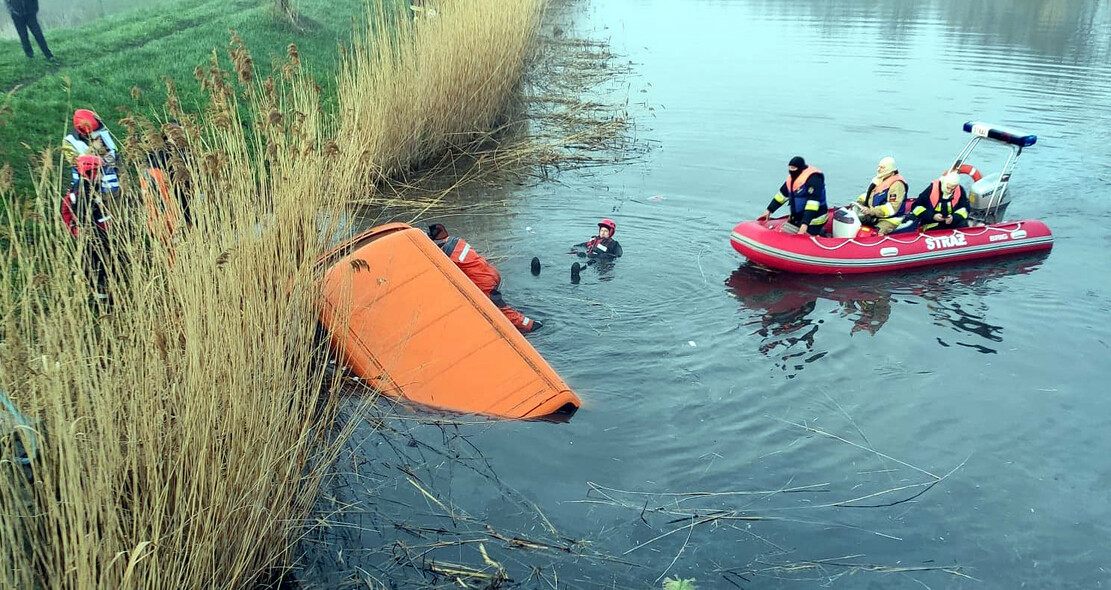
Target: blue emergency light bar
[984, 130]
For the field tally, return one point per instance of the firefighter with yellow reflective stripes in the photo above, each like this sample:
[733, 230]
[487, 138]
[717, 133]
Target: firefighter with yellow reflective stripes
[942, 205]
[805, 192]
[881, 206]
[91, 136]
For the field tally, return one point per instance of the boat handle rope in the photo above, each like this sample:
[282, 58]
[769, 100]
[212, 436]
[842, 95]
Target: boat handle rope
[917, 237]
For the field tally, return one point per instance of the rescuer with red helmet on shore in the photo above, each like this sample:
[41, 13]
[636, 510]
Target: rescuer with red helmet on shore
[90, 136]
[86, 217]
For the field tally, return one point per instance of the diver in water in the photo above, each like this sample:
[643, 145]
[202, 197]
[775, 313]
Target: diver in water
[601, 247]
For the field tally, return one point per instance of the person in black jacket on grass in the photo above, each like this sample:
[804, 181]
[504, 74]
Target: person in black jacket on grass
[25, 17]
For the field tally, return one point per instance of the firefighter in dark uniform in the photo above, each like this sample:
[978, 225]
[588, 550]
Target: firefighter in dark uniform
[482, 274]
[805, 192]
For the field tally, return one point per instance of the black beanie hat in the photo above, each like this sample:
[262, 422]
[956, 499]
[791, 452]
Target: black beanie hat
[797, 162]
[437, 231]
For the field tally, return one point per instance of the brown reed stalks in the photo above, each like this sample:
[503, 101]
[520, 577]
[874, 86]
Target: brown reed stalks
[411, 89]
[182, 428]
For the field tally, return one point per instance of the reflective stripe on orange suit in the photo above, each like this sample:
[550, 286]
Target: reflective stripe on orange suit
[518, 319]
[481, 272]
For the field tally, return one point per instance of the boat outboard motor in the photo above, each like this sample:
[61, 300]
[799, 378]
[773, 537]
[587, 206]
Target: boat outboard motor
[846, 224]
[989, 196]
[989, 199]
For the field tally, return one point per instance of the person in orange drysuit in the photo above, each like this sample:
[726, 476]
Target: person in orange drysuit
[482, 274]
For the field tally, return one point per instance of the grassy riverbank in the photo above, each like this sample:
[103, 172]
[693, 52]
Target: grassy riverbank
[118, 65]
[183, 430]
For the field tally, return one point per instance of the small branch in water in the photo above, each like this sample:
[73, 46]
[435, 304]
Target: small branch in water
[669, 566]
[857, 445]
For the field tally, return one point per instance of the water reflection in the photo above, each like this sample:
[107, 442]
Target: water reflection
[1023, 51]
[783, 305]
[1068, 29]
[952, 314]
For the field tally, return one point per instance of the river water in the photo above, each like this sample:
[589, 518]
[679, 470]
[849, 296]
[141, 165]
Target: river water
[699, 373]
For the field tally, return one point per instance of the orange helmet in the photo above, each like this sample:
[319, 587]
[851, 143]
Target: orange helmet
[85, 121]
[610, 224]
[88, 166]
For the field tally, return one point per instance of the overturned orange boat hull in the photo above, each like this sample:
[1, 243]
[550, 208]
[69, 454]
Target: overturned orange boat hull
[407, 320]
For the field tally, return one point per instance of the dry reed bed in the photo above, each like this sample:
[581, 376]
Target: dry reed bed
[182, 431]
[176, 425]
[413, 89]
[569, 111]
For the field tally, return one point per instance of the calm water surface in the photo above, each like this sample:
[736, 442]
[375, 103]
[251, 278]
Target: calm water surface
[697, 371]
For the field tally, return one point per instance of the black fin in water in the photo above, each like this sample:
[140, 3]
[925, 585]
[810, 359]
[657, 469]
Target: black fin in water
[575, 268]
[535, 266]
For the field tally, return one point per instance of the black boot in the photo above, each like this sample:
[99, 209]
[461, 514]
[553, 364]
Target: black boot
[535, 266]
[575, 268]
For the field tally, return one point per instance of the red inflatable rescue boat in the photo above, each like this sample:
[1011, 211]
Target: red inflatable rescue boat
[864, 251]
[765, 245]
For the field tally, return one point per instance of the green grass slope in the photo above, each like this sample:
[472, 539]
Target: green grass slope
[101, 62]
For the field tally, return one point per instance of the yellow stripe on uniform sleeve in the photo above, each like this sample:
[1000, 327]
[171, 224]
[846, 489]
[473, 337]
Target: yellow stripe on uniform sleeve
[779, 198]
[812, 205]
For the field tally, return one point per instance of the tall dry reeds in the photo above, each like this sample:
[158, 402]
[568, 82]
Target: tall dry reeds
[181, 425]
[181, 428]
[412, 89]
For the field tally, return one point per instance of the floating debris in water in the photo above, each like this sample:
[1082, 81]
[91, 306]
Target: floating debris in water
[679, 584]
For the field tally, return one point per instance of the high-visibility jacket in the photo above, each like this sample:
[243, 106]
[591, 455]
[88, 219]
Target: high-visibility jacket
[931, 201]
[807, 204]
[76, 144]
[886, 203]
